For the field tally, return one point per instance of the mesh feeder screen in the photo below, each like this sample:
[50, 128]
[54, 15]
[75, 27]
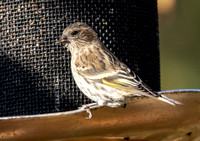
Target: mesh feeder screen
[35, 75]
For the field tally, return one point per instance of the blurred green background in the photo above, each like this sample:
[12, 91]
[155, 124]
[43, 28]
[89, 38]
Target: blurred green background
[179, 31]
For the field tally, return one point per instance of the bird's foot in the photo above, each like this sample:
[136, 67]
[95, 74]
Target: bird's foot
[87, 109]
[123, 106]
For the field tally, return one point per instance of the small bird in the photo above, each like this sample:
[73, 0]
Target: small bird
[98, 72]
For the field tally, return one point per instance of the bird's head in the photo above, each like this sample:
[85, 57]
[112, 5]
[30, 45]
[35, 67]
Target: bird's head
[78, 35]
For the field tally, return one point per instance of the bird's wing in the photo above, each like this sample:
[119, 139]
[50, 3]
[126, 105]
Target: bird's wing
[118, 79]
[104, 67]
[122, 81]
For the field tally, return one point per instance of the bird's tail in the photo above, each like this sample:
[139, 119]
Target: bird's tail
[150, 93]
[168, 100]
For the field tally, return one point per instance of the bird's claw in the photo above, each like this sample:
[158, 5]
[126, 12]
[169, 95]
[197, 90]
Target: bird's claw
[87, 109]
[89, 112]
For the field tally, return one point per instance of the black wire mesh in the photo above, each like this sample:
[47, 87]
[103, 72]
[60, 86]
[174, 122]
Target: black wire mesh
[35, 73]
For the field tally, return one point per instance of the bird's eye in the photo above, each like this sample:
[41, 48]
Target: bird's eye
[74, 33]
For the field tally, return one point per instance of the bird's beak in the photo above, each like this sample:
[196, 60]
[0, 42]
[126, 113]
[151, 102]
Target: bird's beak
[63, 39]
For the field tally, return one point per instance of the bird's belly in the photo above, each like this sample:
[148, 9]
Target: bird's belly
[100, 93]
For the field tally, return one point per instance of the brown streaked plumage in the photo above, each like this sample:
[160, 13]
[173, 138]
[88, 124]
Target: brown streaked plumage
[98, 73]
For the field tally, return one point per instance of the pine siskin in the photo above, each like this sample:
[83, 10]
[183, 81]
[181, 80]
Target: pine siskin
[99, 74]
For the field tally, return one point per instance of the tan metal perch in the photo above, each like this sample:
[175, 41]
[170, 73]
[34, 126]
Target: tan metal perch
[143, 118]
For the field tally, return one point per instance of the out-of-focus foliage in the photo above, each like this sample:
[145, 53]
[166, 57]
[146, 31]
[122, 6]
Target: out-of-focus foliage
[179, 28]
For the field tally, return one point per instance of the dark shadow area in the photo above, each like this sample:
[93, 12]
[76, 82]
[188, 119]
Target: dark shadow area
[23, 91]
